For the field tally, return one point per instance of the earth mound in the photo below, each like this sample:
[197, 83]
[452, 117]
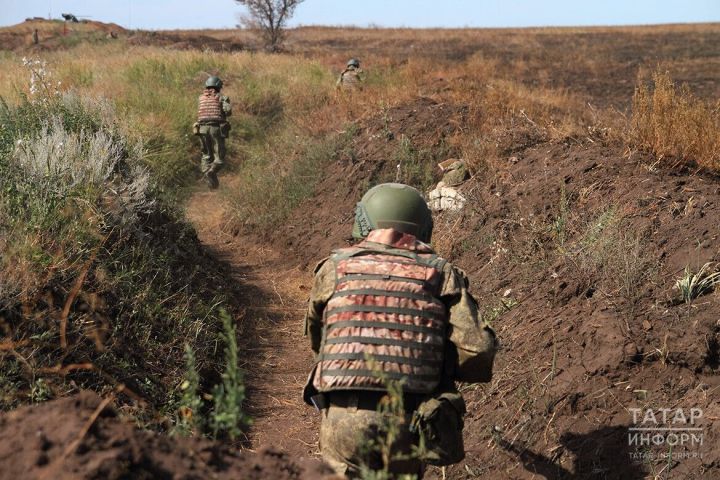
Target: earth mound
[56, 34]
[382, 142]
[573, 249]
[180, 41]
[81, 437]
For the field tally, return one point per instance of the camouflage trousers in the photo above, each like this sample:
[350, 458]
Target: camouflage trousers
[352, 439]
[213, 151]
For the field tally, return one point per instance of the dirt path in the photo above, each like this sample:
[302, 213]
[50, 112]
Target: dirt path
[277, 356]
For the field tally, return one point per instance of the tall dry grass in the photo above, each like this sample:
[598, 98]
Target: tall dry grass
[678, 128]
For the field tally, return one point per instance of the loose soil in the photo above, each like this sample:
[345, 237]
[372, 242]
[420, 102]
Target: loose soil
[276, 356]
[82, 437]
[282, 439]
[583, 242]
[582, 343]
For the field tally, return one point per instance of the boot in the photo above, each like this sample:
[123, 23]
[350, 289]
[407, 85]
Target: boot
[212, 180]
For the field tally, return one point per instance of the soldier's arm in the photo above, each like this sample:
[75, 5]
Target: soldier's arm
[322, 290]
[473, 338]
[340, 80]
[226, 106]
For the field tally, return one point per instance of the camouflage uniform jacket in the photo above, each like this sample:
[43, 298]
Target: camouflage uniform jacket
[470, 345]
[350, 78]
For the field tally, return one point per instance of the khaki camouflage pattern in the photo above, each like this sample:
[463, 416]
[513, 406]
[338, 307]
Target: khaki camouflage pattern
[213, 148]
[213, 110]
[470, 349]
[384, 315]
[455, 174]
[346, 442]
[350, 79]
[472, 341]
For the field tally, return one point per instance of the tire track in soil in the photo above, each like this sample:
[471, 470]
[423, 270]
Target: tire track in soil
[274, 354]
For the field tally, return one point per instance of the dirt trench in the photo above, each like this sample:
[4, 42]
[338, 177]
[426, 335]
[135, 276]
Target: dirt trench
[275, 355]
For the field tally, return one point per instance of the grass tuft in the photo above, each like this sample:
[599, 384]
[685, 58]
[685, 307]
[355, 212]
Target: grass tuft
[675, 126]
[692, 285]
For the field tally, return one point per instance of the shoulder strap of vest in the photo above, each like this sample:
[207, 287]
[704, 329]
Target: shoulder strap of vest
[344, 254]
[431, 260]
[381, 251]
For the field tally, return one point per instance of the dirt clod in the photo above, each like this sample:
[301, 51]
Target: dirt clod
[34, 443]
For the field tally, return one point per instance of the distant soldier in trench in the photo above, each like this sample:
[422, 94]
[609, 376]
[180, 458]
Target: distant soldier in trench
[213, 128]
[351, 78]
[391, 310]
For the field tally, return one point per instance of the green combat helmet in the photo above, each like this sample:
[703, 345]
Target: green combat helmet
[354, 62]
[393, 205]
[214, 82]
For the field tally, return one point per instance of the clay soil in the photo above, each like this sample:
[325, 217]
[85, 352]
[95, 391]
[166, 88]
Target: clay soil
[583, 344]
[276, 357]
[82, 437]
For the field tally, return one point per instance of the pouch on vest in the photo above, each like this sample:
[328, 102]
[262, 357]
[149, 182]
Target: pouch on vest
[439, 423]
[196, 128]
[225, 129]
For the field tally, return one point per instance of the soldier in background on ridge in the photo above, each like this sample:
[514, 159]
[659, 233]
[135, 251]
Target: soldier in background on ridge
[389, 308]
[213, 128]
[351, 78]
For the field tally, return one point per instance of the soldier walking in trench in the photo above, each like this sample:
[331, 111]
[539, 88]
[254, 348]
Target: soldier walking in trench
[213, 128]
[389, 308]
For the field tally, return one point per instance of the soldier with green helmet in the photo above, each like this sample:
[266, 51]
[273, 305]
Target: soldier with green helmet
[390, 311]
[213, 128]
[351, 78]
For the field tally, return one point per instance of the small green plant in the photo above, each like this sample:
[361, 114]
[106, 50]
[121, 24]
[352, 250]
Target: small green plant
[504, 305]
[40, 391]
[596, 229]
[189, 419]
[228, 396]
[692, 285]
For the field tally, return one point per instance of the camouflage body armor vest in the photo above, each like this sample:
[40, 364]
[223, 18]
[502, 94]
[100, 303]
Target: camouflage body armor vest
[350, 78]
[385, 318]
[209, 107]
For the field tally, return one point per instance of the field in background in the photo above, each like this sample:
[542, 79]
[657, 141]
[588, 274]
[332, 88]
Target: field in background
[593, 153]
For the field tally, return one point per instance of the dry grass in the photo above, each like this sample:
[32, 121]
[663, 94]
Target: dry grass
[673, 124]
